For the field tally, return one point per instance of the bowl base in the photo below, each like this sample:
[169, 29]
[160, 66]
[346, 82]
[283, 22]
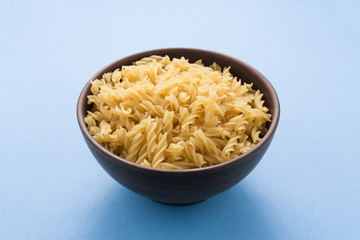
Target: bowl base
[179, 204]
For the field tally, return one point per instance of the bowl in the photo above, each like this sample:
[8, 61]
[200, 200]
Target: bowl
[182, 187]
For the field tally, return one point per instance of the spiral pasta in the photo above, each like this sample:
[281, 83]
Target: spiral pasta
[172, 114]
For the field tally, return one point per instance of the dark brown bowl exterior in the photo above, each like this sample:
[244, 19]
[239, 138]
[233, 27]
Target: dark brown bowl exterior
[181, 187]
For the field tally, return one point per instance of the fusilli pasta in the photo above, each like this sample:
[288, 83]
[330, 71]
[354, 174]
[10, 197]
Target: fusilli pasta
[173, 114]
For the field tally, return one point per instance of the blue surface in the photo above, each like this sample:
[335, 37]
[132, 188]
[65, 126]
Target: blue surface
[306, 187]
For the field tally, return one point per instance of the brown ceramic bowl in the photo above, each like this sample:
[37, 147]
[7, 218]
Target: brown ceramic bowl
[181, 187]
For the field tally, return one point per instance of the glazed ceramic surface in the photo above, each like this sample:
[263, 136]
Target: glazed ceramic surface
[181, 187]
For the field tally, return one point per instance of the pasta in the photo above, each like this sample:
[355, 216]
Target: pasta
[172, 114]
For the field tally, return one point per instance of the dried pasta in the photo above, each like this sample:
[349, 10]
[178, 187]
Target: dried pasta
[172, 114]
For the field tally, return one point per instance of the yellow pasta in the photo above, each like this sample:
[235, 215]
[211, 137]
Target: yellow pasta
[173, 114]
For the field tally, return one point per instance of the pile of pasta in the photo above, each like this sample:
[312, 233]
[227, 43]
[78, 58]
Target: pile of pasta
[172, 114]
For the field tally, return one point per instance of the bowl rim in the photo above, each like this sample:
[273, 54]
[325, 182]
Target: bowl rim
[117, 159]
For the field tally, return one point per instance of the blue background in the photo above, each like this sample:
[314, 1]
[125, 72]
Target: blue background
[306, 187]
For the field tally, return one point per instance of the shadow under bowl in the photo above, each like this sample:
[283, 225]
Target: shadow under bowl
[182, 187]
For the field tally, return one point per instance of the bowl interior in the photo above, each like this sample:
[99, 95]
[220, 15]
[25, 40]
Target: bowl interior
[238, 68]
